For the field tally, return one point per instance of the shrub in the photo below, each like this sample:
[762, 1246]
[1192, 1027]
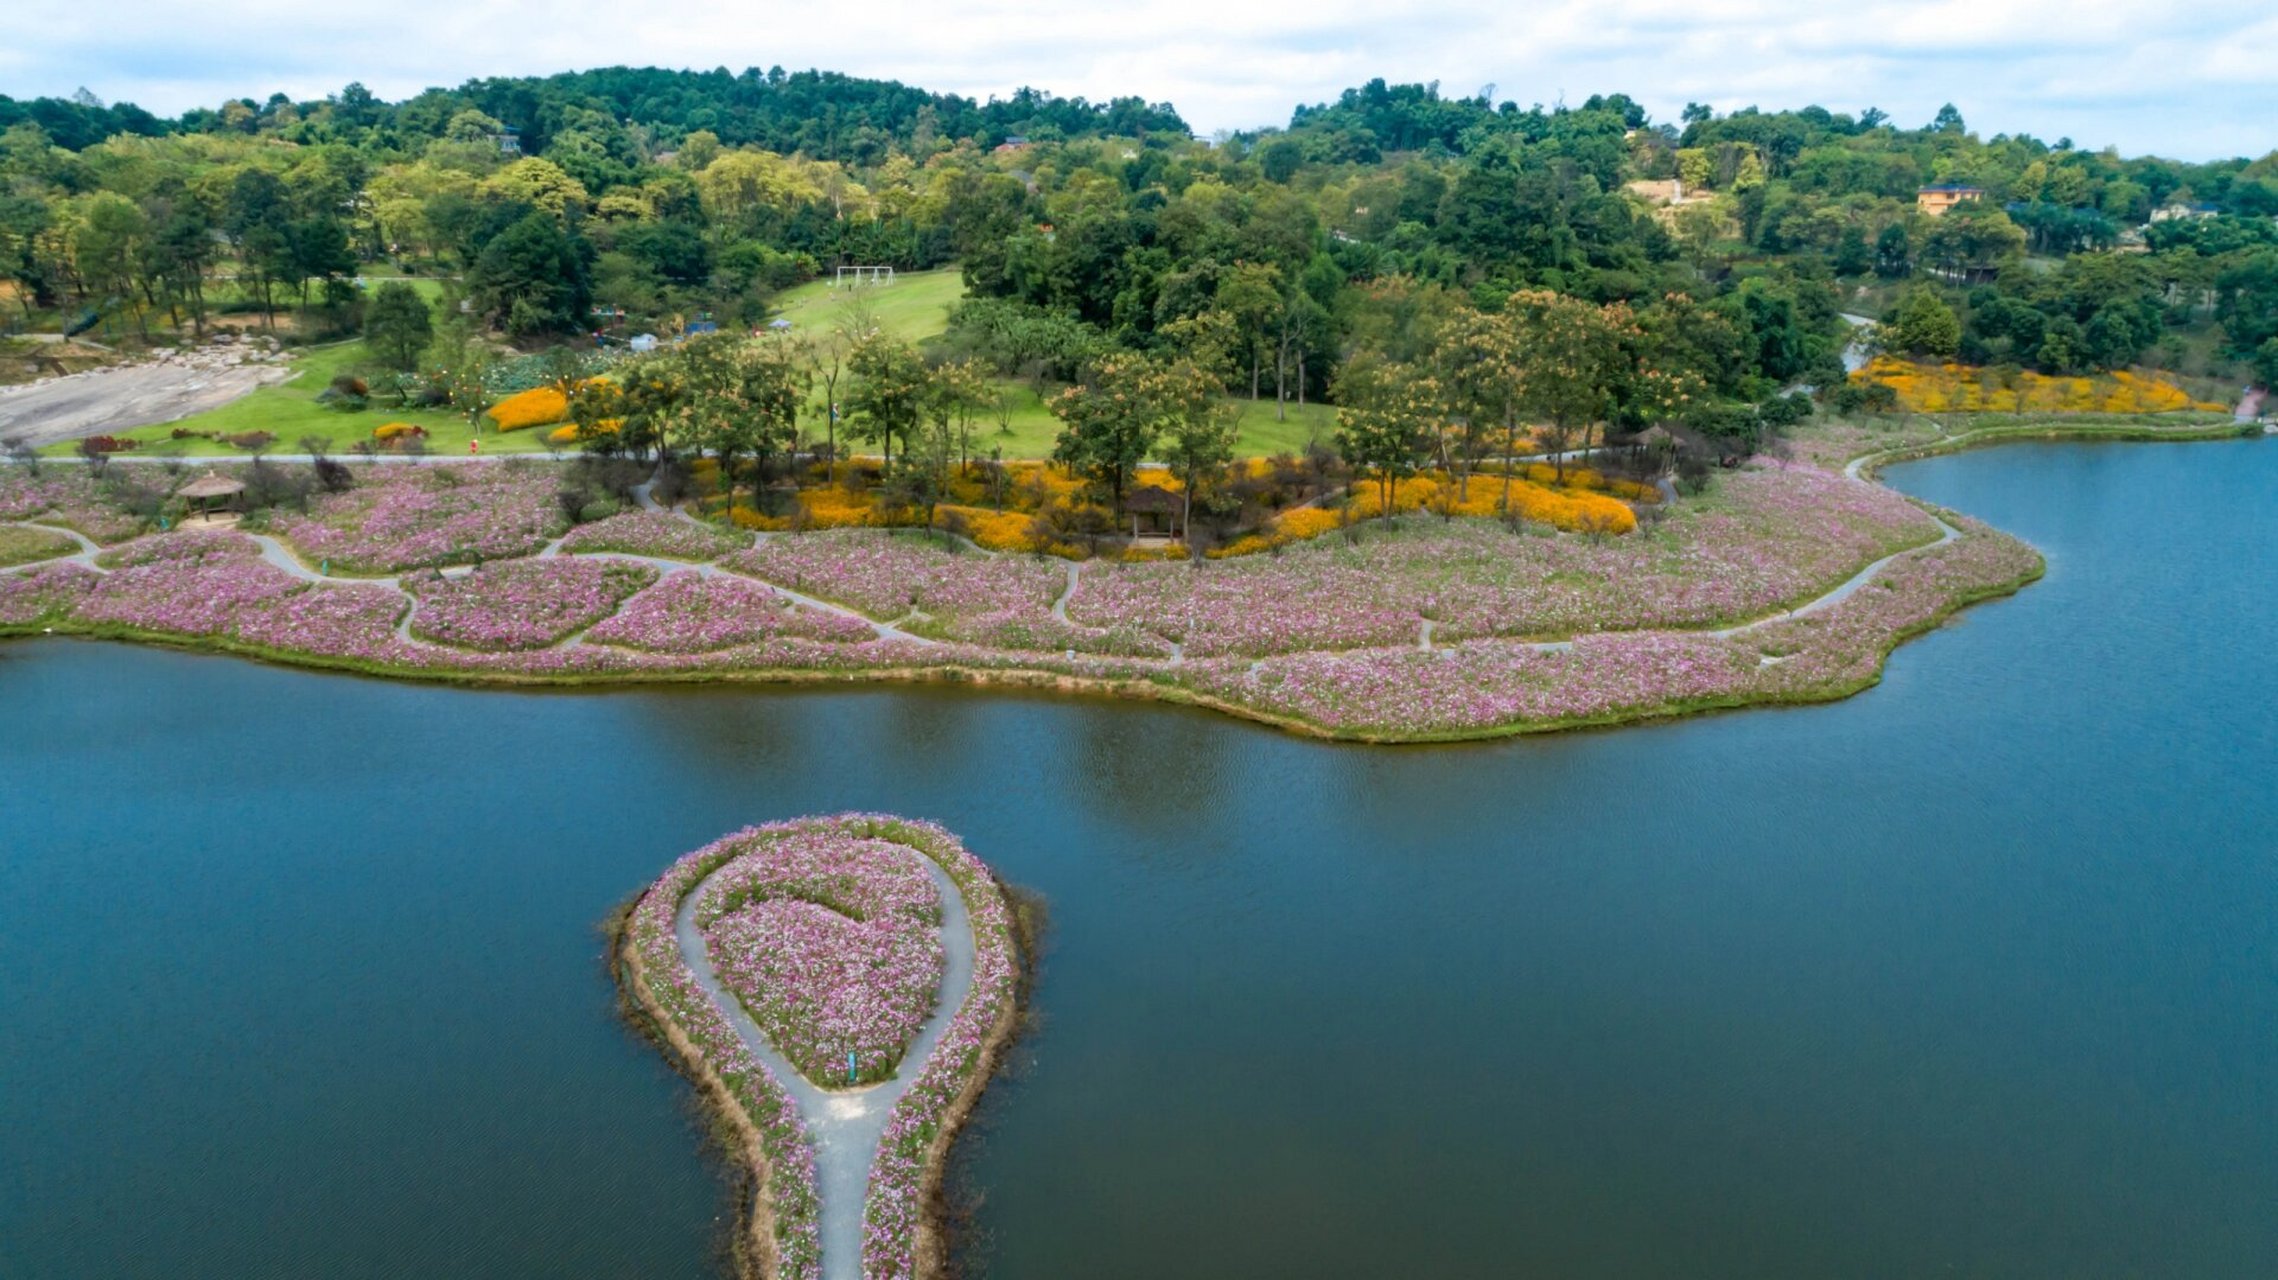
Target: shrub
[537, 407]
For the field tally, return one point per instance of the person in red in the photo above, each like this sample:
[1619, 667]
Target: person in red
[474, 446]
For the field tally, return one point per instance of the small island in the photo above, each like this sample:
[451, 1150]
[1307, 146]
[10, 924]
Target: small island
[840, 988]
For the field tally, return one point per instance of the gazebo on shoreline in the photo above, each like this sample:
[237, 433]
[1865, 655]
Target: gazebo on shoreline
[210, 489]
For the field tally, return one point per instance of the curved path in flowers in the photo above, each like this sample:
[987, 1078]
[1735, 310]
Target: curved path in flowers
[845, 1125]
[283, 557]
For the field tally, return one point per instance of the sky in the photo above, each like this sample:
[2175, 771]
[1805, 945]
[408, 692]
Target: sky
[2191, 81]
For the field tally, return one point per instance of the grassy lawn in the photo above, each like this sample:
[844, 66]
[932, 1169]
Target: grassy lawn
[913, 308]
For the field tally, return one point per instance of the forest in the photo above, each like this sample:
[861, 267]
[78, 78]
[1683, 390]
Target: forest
[1582, 266]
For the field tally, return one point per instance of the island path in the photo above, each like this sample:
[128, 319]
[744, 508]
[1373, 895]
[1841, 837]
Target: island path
[845, 1125]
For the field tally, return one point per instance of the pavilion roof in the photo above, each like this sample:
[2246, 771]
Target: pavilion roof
[212, 485]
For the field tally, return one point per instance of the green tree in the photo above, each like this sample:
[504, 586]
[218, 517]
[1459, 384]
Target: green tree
[1199, 430]
[1386, 415]
[1923, 325]
[887, 390]
[1109, 422]
[2266, 365]
[741, 397]
[532, 278]
[398, 325]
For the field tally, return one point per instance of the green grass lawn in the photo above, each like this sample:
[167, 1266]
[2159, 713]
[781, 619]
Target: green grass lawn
[290, 412]
[913, 308]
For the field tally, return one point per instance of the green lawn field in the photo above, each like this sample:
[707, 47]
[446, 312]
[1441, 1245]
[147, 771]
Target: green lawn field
[914, 307]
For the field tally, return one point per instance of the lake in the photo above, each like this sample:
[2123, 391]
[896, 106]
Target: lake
[1975, 974]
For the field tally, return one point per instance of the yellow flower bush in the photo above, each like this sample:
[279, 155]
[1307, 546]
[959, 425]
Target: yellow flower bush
[1305, 522]
[537, 407]
[1955, 388]
[397, 430]
[1575, 512]
[567, 433]
[998, 531]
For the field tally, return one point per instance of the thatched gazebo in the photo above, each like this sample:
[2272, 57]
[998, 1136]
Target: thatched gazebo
[1155, 505]
[209, 490]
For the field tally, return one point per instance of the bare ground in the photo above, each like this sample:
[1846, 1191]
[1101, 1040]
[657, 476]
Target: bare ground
[108, 401]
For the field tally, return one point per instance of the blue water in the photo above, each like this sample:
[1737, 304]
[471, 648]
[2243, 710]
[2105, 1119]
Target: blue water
[1975, 974]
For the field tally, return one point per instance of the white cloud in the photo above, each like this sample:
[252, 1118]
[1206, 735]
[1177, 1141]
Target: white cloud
[2193, 82]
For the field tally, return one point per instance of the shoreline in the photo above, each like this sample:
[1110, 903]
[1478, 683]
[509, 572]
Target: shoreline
[1042, 676]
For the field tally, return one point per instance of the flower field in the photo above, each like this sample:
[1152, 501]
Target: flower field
[696, 613]
[71, 498]
[1433, 627]
[1771, 537]
[833, 943]
[419, 517]
[653, 533]
[888, 576]
[1494, 685]
[187, 544]
[521, 604]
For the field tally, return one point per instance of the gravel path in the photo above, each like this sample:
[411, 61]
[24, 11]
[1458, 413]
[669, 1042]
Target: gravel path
[845, 1124]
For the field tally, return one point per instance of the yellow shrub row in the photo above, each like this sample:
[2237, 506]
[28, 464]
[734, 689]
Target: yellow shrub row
[1575, 512]
[397, 430]
[1544, 473]
[1955, 388]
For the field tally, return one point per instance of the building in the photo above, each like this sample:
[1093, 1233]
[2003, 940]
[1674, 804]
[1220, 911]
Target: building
[1936, 200]
[509, 141]
[2180, 212]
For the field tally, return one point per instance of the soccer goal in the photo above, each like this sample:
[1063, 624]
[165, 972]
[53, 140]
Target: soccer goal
[863, 275]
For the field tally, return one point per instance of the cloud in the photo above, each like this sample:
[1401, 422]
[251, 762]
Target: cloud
[2191, 82]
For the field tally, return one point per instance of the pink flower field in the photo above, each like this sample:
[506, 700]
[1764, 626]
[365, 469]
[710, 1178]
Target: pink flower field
[833, 942]
[415, 517]
[521, 604]
[1329, 635]
[654, 533]
[697, 613]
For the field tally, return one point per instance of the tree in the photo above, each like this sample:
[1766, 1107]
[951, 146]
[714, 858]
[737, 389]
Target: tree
[398, 325]
[1573, 356]
[1894, 252]
[532, 278]
[888, 390]
[1109, 421]
[2266, 365]
[740, 397]
[1386, 414]
[1923, 325]
[1199, 430]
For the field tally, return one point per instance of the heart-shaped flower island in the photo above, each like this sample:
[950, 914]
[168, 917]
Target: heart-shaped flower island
[840, 986]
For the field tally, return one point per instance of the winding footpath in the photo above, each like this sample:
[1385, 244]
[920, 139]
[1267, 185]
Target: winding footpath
[845, 1126]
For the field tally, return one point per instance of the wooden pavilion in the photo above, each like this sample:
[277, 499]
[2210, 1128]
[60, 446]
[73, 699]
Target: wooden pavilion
[209, 491]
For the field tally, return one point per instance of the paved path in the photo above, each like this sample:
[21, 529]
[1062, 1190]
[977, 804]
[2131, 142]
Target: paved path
[845, 1124]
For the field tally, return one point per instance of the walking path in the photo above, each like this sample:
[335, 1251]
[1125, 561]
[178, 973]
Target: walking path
[844, 1125]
